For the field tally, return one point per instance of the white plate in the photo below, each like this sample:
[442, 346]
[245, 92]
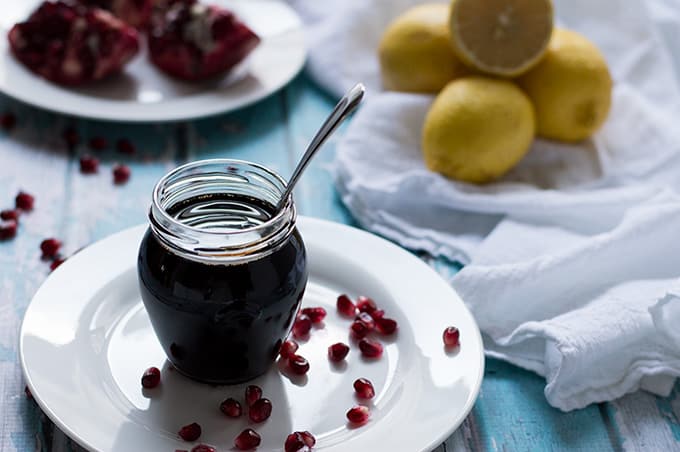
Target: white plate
[86, 341]
[142, 93]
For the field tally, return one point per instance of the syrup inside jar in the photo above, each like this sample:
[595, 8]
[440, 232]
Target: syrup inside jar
[221, 274]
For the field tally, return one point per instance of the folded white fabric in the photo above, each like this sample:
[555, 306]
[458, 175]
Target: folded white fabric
[573, 258]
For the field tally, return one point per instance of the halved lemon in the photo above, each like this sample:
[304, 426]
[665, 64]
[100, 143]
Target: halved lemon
[501, 37]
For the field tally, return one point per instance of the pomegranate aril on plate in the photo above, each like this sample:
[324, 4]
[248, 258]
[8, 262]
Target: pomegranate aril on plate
[359, 329]
[370, 349]
[253, 394]
[231, 407]
[50, 247]
[316, 315]
[451, 336]
[338, 352]
[121, 174]
[24, 201]
[365, 304]
[10, 214]
[358, 415]
[125, 146]
[386, 326]
[247, 439]
[133, 12]
[302, 326]
[8, 229]
[289, 347]
[190, 432]
[364, 388]
[377, 314]
[366, 319]
[98, 143]
[298, 364]
[299, 441]
[346, 306]
[89, 164]
[151, 377]
[260, 410]
[203, 448]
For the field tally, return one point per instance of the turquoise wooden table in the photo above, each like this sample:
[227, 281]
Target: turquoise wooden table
[511, 413]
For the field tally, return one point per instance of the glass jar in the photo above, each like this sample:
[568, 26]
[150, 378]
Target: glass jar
[220, 275]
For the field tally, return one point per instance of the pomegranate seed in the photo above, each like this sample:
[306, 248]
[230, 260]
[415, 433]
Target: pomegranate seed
[190, 432]
[299, 441]
[98, 143]
[125, 146]
[260, 410]
[366, 319]
[203, 448]
[316, 315]
[71, 137]
[10, 214]
[121, 174]
[451, 337]
[370, 349]
[289, 347]
[28, 393]
[231, 407]
[24, 201]
[377, 314]
[359, 329]
[365, 304]
[364, 388]
[338, 352]
[358, 415]
[386, 326]
[56, 263]
[302, 326]
[151, 377]
[8, 229]
[298, 364]
[50, 247]
[8, 121]
[247, 439]
[345, 306]
[89, 164]
[253, 394]
[308, 438]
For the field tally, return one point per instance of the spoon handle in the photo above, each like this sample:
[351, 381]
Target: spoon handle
[347, 104]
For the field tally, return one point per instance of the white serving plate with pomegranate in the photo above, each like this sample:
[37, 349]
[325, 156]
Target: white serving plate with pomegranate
[143, 93]
[86, 341]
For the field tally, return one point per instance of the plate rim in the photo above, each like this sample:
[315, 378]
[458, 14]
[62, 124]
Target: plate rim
[465, 411]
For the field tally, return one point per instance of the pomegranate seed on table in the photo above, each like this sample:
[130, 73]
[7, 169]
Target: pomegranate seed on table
[338, 352]
[370, 349]
[190, 432]
[366, 319]
[71, 137]
[24, 201]
[260, 410]
[247, 439]
[359, 329]
[8, 121]
[364, 388]
[451, 337]
[298, 364]
[203, 448]
[358, 415]
[89, 164]
[365, 304]
[289, 347]
[316, 315]
[377, 314]
[121, 174]
[231, 407]
[8, 229]
[56, 263]
[98, 143]
[386, 326]
[9, 214]
[345, 306]
[125, 146]
[253, 394]
[151, 377]
[50, 247]
[299, 441]
[302, 326]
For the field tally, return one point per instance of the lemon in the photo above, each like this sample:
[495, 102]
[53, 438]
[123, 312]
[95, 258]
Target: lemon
[500, 37]
[570, 88]
[415, 51]
[477, 129]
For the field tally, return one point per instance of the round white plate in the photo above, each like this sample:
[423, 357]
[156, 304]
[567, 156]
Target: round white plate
[143, 93]
[86, 340]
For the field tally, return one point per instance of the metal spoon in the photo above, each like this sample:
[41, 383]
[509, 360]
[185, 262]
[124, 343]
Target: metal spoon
[347, 104]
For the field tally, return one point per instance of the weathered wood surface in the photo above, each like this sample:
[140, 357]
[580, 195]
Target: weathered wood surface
[511, 413]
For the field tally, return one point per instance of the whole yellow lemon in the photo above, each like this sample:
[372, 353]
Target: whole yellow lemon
[570, 88]
[415, 51]
[477, 129]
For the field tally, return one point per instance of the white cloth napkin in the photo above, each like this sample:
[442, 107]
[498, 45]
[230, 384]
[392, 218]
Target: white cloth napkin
[574, 257]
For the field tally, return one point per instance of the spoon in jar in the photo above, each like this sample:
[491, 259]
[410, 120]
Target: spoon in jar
[347, 104]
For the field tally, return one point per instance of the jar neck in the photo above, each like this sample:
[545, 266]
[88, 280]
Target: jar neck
[221, 177]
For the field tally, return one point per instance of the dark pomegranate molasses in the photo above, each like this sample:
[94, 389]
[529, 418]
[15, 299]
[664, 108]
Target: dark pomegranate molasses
[221, 276]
